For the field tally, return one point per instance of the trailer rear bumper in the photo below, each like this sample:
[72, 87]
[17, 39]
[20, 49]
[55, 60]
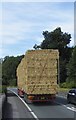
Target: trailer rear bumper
[41, 98]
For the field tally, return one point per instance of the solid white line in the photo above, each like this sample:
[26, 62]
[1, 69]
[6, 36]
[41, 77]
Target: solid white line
[34, 115]
[26, 105]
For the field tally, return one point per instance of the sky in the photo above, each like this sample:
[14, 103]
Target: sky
[22, 23]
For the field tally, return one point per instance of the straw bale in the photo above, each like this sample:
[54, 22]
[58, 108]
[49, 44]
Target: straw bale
[37, 72]
[41, 89]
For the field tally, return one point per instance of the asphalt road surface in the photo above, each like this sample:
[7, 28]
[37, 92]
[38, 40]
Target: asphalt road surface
[59, 110]
[14, 108]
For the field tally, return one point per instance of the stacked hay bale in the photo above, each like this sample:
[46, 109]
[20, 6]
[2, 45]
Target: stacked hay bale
[37, 72]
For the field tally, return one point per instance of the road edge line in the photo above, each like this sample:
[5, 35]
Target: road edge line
[25, 105]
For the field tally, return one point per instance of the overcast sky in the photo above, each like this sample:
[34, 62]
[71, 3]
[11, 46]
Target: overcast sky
[23, 23]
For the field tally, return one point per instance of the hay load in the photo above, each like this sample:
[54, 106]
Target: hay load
[38, 72]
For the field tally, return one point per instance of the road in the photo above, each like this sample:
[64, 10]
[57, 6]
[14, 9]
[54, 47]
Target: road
[14, 108]
[58, 110]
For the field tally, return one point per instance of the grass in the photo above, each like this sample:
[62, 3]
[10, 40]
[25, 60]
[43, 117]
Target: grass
[11, 86]
[64, 89]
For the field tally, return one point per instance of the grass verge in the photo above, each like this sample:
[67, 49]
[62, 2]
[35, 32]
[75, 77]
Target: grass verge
[64, 89]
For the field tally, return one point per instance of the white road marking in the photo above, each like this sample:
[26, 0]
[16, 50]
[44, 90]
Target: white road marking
[70, 108]
[25, 105]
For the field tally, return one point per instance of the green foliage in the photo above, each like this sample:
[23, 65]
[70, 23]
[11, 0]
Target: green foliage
[0, 76]
[0, 70]
[13, 82]
[70, 84]
[63, 71]
[63, 85]
[4, 88]
[0, 88]
[72, 68]
[9, 66]
[36, 46]
[56, 39]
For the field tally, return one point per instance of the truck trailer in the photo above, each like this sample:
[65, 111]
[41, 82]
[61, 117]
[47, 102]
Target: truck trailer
[38, 75]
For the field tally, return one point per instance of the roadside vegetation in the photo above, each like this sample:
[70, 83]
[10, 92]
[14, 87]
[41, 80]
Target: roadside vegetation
[3, 89]
[0, 88]
[55, 39]
[71, 72]
[63, 89]
[0, 77]
[59, 40]
[9, 66]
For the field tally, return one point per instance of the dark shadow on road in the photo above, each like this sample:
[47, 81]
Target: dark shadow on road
[10, 94]
[7, 110]
[45, 103]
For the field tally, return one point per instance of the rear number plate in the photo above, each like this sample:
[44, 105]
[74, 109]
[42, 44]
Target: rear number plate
[42, 98]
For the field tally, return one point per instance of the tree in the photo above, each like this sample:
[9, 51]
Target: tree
[0, 71]
[36, 46]
[58, 40]
[72, 68]
[9, 66]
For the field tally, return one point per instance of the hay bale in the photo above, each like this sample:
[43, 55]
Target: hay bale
[37, 72]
